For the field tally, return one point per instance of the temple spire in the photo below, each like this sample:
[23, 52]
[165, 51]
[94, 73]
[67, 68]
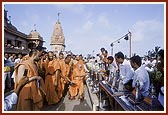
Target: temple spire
[57, 39]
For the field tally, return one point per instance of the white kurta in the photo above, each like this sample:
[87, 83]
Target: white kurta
[142, 76]
[126, 72]
[112, 68]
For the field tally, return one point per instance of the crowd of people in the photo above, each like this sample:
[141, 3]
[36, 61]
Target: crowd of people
[147, 70]
[59, 75]
[15, 47]
[50, 77]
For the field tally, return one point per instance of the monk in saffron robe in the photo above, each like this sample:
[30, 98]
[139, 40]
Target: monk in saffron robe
[79, 61]
[26, 57]
[30, 97]
[64, 74]
[51, 80]
[77, 78]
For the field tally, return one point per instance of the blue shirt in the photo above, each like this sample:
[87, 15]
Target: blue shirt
[9, 101]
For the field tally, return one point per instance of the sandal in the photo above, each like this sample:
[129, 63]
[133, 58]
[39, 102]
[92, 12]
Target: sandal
[71, 98]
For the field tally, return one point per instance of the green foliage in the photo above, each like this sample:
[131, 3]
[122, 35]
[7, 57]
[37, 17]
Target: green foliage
[156, 76]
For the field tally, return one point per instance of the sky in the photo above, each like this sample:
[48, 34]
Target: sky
[87, 27]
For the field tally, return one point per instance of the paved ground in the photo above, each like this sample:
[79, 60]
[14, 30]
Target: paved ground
[72, 105]
[68, 105]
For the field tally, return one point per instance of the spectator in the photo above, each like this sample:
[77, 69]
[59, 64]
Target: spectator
[124, 67]
[140, 74]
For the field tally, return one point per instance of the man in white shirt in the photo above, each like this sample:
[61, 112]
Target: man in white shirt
[111, 69]
[7, 71]
[150, 65]
[102, 53]
[19, 59]
[141, 75]
[126, 72]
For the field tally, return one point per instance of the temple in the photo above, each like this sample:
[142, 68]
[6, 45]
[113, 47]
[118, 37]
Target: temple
[57, 39]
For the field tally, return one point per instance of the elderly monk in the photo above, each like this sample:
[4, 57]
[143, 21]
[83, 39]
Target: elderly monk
[51, 66]
[30, 97]
[77, 79]
[79, 61]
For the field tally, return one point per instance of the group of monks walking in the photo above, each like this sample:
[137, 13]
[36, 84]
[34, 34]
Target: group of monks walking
[59, 75]
[67, 73]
